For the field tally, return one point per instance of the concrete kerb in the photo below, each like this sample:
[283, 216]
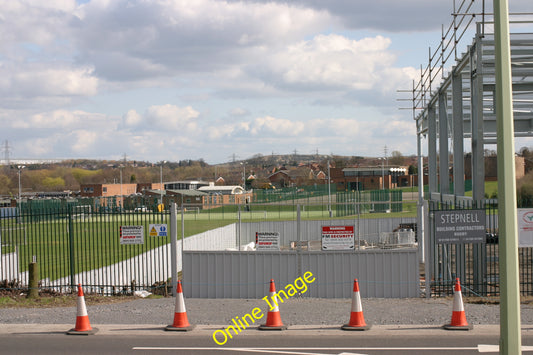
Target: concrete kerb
[207, 330]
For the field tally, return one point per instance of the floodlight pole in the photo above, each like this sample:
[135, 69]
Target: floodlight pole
[510, 336]
[20, 167]
[329, 191]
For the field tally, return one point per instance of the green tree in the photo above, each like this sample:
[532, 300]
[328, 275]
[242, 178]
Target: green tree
[396, 158]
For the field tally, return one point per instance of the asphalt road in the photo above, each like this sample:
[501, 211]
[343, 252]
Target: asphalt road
[317, 340]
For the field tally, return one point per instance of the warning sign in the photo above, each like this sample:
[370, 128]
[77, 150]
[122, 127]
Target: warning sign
[337, 238]
[267, 241]
[157, 230]
[131, 234]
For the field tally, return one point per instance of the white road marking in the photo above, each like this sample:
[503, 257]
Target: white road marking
[307, 351]
[482, 348]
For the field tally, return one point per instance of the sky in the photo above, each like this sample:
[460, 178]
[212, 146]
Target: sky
[212, 79]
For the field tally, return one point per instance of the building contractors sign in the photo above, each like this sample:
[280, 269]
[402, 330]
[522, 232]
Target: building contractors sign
[131, 234]
[267, 241]
[337, 238]
[460, 226]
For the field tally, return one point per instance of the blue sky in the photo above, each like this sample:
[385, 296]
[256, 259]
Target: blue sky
[209, 79]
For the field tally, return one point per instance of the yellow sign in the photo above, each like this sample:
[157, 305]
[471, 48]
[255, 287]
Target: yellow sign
[153, 232]
[160, 207]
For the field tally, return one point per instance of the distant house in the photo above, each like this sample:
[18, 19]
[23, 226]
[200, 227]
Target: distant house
[368, 178]
[295, 177]
[223, 195]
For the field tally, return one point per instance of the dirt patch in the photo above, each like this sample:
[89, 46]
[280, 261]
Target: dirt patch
[17, 299]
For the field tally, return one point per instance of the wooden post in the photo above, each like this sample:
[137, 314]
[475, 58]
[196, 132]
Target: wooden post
[34, 280]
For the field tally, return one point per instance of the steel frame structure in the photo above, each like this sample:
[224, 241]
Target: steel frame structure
[463, 106]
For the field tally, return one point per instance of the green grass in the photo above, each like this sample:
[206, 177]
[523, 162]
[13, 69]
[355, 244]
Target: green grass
[95, 242]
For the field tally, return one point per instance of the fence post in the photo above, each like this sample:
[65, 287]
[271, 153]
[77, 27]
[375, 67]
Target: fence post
[173, 247]
[34, 280]
[299, 241]
[71, 249]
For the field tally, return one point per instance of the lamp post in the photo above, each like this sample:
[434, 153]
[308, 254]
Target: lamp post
[161, 207]
[161, 179]
[20, 167]
[329, 190]
[121, 201]
[243, 175]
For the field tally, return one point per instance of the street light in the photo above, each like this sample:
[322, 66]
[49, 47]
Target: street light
[20, 167]
[329, 190]
[243, 175]
[161, 179]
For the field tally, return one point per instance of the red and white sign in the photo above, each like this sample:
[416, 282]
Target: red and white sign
[338, 238]
[267, 241]
[131, 234]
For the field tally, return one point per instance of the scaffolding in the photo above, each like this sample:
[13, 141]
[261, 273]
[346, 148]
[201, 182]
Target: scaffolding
[454, 99]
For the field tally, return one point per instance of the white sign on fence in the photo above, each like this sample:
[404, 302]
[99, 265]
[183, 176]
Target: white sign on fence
[525, 227]
[131, 234]
[157, 230]
[267, 240]
[337, 238]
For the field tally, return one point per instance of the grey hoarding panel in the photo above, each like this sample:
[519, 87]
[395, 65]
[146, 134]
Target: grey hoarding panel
[232, 274]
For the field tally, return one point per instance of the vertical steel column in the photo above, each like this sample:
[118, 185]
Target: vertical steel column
[478, 160]
[173, 247]
[420, 204]
[476, 108]
[510, 337]
[458, 134]
[444, 171]
[458, 158]
[432, 150]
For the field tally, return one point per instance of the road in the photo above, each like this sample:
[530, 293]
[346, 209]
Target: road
[298, 340]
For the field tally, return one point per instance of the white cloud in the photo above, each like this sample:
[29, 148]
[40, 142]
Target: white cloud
[154, 79]
[171, 117]
[136, 38]
[334, 61]
[132, 119]
[84, 141]
[277, 126]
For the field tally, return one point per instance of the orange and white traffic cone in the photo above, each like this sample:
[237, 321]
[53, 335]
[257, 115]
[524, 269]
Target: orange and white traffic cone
[181, 323]
[83, 326]
[357, 319]
[273, 321]
[458, 315]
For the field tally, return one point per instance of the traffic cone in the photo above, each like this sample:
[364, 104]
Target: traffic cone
[273, 321]
[83, 326]
[181, 323]
[357, 320]
[458, 315]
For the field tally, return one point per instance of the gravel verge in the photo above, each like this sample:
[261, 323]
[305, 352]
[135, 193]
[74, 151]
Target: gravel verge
[294, 311]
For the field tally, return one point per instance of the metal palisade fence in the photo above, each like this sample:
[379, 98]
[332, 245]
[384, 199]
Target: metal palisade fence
[114, 250]
[110, 251]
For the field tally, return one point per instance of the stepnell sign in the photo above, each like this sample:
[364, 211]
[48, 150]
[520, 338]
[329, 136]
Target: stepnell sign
[456, 227]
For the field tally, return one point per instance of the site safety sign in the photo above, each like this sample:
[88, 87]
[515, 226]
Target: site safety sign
[131, 234]
[157, 230]
[338, 238]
